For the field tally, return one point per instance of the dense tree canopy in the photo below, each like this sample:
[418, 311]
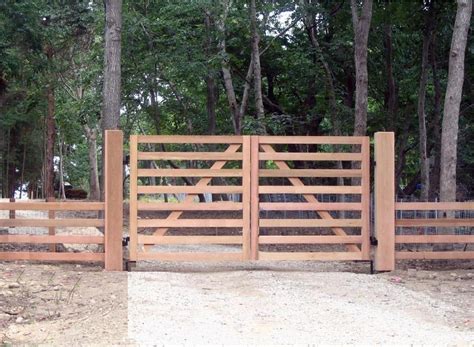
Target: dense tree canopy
[208, 67]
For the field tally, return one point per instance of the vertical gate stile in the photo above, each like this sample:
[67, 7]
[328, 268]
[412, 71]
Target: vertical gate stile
[365, 198]
[254, 200]
[246, 191]
[133, 230]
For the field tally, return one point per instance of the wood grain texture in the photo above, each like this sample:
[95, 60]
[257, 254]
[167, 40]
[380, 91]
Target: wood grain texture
[189, 139]
[324, 256]
[52, 256]
[79, 239]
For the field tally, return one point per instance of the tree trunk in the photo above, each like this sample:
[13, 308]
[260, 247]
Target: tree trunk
[361, 24]
[62, 190]
[94, 186]
[391, 94]
[257, 71]
[210, 80]
[48, 184]
[452, 101]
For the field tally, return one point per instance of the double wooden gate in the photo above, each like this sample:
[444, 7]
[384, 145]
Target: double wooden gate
[249, 198]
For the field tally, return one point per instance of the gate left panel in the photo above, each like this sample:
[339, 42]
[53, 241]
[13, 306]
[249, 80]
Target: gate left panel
[189, 198]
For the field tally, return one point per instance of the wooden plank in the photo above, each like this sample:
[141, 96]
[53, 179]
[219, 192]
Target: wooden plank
[133, 211]
[324, 256]
[189, 173]
[190, 223]
[309, 223]
[190, 256]
[46, 223]
[190, 206]
[435, 255]
[317, 140]
[189, 139]
[434, 206]
[189, 156]
[254, 197]
[441, 222]
[308, 206]
[308, 239]
[53, 206]
[365, 198]
[298, 156]
[310, 198]
[81, 239]
[310, 190]
[11, 213]
[189, 240]
[310, 173]
[434, 239]
[113, 165]
[51, 230]
[202, 182]
[189, 189]
[385, 201]
[246, 194]
[52, 256]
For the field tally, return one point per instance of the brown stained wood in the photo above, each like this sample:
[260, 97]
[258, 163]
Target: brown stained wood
[365, 198]
[52, 256]
[287, 156]
[80, 239]
[309, 223]
[254, 197]
[188, 240]
[324, 256]
[46, 223]
[246, 196]
[441, 222]
[434, 206]
[191, 256]
[307, 206]
[342, 140]
[189, 139]
[191, 206]
[53, 206]
[189, 173]
[435, 255]
[133, 212]
[189, 156]
[310, 173]
[190, 223]
[310, 198]
[113, 166]
[434, 239]
[308, 239]
[189, 189]
[310, 190]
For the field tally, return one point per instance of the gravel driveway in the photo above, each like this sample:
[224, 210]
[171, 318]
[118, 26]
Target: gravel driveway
[245, 306]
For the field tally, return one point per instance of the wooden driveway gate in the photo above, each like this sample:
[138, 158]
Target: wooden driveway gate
[255, 197]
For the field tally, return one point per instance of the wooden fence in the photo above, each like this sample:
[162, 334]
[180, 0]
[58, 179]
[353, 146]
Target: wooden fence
[111, 222]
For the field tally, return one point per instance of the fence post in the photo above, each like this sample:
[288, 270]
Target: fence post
[113, 160]
[385, 201]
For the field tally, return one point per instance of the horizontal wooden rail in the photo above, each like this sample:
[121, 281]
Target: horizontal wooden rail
[52, 256]
[190, 223]
[189, 256]
[310, 189]
[434, 239]
[83, 222]
[190, 206]
[429, 222]
[444, 255]
[316, 140]
[53, 206]
[310, 206]
[189, 173]
[309, 223]
[186, 240]
[189, 156]
[189, 189]
[296, 156]
[328, 256]
[189, 139]
[308, 239]
[82, 239]
[310, 173]
[433, 206]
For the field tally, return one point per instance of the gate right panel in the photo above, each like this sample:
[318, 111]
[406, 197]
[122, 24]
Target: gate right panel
[313, 197]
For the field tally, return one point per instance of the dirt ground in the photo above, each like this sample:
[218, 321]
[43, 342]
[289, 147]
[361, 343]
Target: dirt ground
[265, 303]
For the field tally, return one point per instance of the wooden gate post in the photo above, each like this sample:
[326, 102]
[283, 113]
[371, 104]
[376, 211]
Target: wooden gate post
[385, 201]
[113, 160]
